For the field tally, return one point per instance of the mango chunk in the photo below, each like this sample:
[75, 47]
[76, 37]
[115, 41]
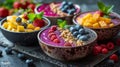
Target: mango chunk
[96, 25]
[5, 25]
[111, 25]
[20, 28]
[30, 26]
[103, 24]
[37, 28]
[87, 16]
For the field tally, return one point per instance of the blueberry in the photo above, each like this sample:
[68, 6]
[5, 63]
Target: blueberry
[110, 62]
[83, 38]
[64, 3]
[8, 50]
[64, 10]
[78, 36]
[66, 7]
[73, 10]
[72, 29]
[78, 27]
[18, 20]
[82, 31]
[29, 61]
[70, 12]
[70, 3]
[21, 56]
[24, 24]
[0, 53]
[75, 33]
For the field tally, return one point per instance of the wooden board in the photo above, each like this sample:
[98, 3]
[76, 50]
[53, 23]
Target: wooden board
[36, 52]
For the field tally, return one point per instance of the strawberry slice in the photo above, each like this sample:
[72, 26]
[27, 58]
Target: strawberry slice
[53, 37]
[38, 23]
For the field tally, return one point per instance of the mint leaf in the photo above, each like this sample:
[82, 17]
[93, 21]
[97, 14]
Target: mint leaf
[61, 23]
[110, 9]
[31, 16]
[101, 6]
[40, 15]
[105, 9]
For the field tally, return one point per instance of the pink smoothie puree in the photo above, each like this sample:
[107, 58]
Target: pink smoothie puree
[116, 21]
[48, 12]
[44, 37]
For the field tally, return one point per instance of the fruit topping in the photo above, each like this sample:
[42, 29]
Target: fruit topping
[104, 50]
[21, 56]
[67, 7]
[54, 28]
[18, 19]
[20, 24]
[110, 45]
[79, 32]
[29, 61]
[4, 12]
[114, 57]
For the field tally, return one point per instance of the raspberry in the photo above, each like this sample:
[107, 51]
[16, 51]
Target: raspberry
[67, 44]
[50, 31]
[53, 37]
[54, 28]
[110, 45]
[50, 34]
[103, 46]
[118, 42]
[104, 50]
[114, 57]
[98, 49]
[56, 41]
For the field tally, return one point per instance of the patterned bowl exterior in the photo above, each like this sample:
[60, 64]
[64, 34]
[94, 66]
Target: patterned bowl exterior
[22, 38]
[54, 19]
[106, 33]
[67, 53]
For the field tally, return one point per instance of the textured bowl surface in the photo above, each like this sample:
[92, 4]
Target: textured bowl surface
[67, 53]
[22, 38]
[105, 33]
[67, 18]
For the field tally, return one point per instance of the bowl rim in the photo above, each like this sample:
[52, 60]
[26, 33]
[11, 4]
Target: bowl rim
[75, 22]
[76, 5]
[2, 21]
[39, 39]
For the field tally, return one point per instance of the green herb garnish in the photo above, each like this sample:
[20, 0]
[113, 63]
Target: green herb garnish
[61, 23]
[33, 16]
[105, 9]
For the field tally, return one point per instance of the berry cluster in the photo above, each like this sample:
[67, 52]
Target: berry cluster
[103, 48]
[68, 7]
[79, 32]
[52, 35]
